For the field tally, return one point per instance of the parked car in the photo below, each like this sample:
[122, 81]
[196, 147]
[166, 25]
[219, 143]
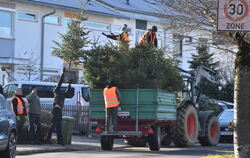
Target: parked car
[8, 130]
[225, 118]
[229, 105]
[77, 96]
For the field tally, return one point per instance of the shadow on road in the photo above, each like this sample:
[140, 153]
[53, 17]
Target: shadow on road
[190, 151]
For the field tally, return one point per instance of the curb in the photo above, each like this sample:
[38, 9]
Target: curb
[62, 149]
[37, 151]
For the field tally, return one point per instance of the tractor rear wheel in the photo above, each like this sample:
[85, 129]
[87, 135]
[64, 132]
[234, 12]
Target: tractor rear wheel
[185, 131]
[212, 132]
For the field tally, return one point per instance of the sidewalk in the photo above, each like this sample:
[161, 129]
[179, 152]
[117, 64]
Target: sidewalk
[79, 143]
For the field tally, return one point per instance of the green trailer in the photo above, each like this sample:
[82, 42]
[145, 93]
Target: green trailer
[145, 116]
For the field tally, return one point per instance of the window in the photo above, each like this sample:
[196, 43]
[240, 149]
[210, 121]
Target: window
[5, 90]
[5, 24]
[138, 34]
[141, 24]
[3, 103]
[85, 93]
[116, 28]
[178, 45]
[97, 26]
[159, 39]
[188, 39]
[27, 16]
[9, 90]
[53, 19]
[45, 91]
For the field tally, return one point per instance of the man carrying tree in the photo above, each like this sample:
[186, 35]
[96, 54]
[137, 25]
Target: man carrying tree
[149, 37]
[59, 97]
[122, 37]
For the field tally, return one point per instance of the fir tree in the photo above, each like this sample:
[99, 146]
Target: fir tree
[139, 67]
[73, 41]
[203, 58]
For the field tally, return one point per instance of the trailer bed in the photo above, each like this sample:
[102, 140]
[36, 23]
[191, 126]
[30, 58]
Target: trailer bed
[152, 104]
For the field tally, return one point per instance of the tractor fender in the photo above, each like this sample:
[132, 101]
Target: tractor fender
[185, 102]
[203, 116]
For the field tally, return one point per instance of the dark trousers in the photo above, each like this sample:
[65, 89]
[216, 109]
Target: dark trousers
[35, 123]
[111, 119]
[20, 124]
[56, 123]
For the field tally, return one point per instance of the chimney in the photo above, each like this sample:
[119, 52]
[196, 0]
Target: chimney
[127, 2]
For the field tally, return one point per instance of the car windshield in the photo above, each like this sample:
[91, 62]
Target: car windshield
[228, 115]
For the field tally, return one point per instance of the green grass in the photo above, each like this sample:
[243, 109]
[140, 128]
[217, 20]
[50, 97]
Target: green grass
[219, 156]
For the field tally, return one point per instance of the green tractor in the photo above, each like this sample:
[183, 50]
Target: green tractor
[193, 124]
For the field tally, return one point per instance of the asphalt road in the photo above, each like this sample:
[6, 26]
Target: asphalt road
[170, 152]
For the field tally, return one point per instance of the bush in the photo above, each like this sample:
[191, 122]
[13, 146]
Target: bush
[139, 67]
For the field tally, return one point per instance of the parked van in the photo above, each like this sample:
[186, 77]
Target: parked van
[78, 95]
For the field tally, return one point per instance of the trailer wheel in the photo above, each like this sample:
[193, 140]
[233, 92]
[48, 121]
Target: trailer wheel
[185, 131]
[107, 142]
[154, 140]
[212, 132]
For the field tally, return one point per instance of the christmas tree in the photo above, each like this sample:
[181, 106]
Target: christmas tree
[73, 41]
[203, 58]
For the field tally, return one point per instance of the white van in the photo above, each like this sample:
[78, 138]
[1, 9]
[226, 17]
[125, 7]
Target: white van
[78, 95]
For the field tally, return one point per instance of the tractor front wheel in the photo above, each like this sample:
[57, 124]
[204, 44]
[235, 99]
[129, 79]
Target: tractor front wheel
[212, 132]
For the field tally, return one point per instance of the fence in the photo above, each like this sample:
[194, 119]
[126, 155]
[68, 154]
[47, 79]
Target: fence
[80, 113]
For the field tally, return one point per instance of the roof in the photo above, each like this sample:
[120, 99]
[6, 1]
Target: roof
[138, 6]
[92, 7]
[44, 83]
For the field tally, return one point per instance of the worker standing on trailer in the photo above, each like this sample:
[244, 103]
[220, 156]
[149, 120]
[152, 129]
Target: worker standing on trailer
[149, 37]
[122, 37]
[112, 98]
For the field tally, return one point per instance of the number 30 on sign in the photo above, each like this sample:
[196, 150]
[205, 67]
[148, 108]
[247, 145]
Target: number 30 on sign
[233, 15]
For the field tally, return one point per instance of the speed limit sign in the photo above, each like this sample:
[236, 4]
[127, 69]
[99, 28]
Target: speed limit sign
[233, 15]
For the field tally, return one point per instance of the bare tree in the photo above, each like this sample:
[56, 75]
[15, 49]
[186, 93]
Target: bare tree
[30, 67]
[186, 16]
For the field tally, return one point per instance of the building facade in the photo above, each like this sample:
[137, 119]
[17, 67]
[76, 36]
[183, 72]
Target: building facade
[28, 27]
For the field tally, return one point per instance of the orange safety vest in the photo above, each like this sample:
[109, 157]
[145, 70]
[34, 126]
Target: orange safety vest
[124, 40]
[144, 38]
[110, 97]
[20, 106]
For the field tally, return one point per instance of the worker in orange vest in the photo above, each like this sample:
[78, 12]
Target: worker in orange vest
[122, 37]
[20, 109]
[112, 98]
[149, 37]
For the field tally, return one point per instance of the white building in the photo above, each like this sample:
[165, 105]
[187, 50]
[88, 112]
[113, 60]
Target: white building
[26, 42]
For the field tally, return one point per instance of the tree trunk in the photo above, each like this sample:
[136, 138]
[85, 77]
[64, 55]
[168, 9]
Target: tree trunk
[242, 101]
